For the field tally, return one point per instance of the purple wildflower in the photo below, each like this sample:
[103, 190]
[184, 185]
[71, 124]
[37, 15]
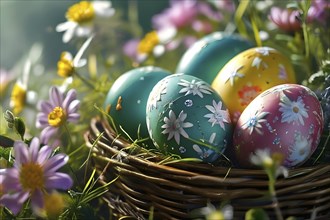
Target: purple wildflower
[33, 175]
[130, 49]
[319, 11]
[56, 112]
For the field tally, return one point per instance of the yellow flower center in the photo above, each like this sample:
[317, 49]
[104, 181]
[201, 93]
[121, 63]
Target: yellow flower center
[148, 43]
[31, 177]
[65, 66]
[295, 109]
[18, 98]
[81, 12]
[56, 117]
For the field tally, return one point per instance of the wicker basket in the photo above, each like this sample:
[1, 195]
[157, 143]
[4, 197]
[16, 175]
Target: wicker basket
[175, 189]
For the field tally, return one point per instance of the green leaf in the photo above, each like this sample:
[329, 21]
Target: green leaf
[20, 127]
[6, 141]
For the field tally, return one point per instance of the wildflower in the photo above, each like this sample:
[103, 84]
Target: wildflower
[285, 19]
[154, 43]
[180, 14]
[174, 126]
[67, 65]
[34, 174]
[56, 112]
[210, 212]
[81, 18]
[320, 11]
[270, 162]
[18, 97]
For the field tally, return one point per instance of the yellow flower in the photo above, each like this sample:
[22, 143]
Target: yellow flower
[18, 97]
[81, 12]
[81, 18]
[67, 64]
[154, 43]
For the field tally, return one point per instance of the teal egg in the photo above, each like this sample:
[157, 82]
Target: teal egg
[186, 117]
[128, 97]
[205, 58]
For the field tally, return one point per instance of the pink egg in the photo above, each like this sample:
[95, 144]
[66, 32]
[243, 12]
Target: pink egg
[287, 119]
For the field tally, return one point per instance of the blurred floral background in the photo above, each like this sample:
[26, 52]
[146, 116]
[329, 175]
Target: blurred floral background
[54, 53]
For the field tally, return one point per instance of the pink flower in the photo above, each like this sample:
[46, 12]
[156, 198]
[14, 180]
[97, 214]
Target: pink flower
[285, 19]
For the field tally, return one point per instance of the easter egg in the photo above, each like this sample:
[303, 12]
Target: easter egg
[207, 56]
[248, 74]
[186, 117]
[128, 97]
[286, 119]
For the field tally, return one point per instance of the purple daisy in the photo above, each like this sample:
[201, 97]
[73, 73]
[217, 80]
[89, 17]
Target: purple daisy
[61, 108]
[33, 175]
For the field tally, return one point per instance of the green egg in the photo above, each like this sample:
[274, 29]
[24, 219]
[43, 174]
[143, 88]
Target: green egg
[128, 96]
[205, 58]
[186, 117]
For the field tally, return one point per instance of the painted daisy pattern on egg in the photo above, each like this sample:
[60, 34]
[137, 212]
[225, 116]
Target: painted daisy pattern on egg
[264, 50]
[156, 95]
[299, 150]
[217, 115]
[195, 87]
[205, 152]
[174, 126]
[254, 122]
[233, 74]
[293, 111]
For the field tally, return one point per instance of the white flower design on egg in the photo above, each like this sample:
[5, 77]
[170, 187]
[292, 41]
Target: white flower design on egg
[174, 126]
[299, 150]
[293, 111]
[233, 74]
[254, 122]
[194, 87]
[156, 95]
[217, 115]
[205, 152]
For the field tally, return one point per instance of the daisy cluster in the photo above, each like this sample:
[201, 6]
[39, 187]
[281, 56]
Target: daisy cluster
[47, 110]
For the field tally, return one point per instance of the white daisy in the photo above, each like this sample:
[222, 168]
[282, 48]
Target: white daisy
[293, 111]
[218, 116]
[174, 127]
[254, 122]
[233, 74]
[194, 87]
[81, 17]
[156, 94]
[299, 150]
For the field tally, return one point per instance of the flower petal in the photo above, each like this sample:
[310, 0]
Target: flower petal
[59, 181]
[55, 96]
[44, 154]
[37, 201]
[21, 153]
[70, 96]
[14, 201]
[47, 133]
[56, 162]
[34, 149]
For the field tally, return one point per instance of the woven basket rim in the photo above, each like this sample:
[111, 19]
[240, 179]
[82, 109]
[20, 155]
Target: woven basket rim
[144, 182]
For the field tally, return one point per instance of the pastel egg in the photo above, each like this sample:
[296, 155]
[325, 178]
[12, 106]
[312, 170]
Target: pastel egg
[248, 74]
[128, 97]
[186, 117]
[286, 119]
[205, 58]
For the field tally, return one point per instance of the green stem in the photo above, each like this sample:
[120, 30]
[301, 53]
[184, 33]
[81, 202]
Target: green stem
[85, 80]
[272, 191]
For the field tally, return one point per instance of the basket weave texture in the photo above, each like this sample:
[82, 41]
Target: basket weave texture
[175, 189]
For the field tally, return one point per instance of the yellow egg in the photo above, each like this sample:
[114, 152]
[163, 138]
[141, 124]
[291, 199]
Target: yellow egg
[250, 73]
